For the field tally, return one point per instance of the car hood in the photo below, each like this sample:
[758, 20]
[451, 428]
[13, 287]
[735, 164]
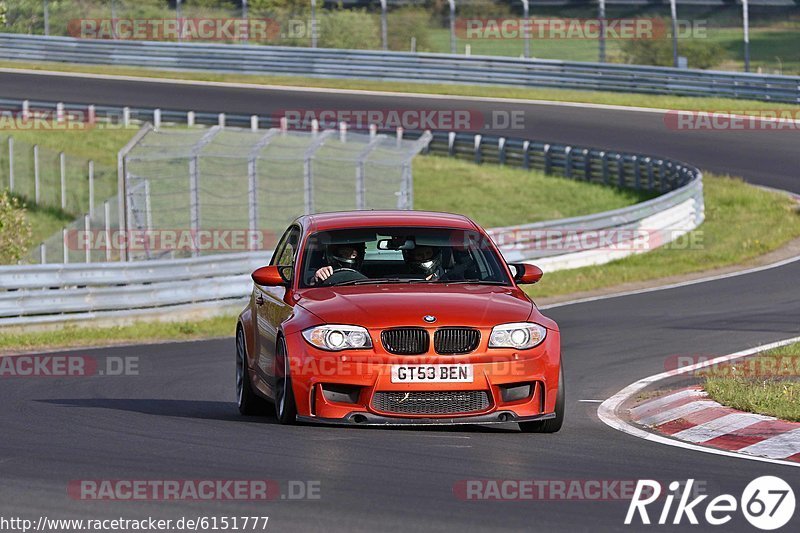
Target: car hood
[380, 306]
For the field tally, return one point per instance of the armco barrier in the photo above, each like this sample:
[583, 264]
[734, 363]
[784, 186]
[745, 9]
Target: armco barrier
[402, 67]
[52, 293]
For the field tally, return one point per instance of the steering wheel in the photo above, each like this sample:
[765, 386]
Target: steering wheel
[343, 274]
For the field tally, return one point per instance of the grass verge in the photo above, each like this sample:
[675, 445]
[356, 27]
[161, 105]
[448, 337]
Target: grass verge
[767, 384]
[74, 336]
[742, 222]
[548, 94]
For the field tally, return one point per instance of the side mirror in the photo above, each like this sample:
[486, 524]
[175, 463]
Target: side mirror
[525, 274]
[272, 276]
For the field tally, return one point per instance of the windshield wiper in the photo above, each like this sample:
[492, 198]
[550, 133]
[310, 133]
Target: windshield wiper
[469, 281]
[374, 281]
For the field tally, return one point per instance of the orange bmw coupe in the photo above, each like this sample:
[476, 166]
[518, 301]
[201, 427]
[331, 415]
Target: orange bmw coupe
[396, 318]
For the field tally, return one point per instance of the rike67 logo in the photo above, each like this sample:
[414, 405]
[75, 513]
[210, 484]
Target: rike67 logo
[767, 502]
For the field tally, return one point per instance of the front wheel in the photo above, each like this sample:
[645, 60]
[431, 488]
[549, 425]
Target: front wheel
[285, 407]
[551, 425]
[249, 403]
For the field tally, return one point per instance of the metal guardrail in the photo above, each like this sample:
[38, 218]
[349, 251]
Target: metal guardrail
[53, 293]
[400, 66]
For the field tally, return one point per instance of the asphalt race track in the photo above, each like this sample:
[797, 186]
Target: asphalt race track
[177, 419]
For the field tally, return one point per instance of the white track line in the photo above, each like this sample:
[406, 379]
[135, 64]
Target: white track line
[718, 277]
[607, 412]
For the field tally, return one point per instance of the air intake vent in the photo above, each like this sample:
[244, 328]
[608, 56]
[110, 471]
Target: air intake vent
[431, 403]
[456, 340]
[405, 341]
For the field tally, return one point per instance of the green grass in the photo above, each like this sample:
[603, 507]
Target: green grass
[497, 196]
[772, 388]
[76, 336]
[548, 94]
[742, 223]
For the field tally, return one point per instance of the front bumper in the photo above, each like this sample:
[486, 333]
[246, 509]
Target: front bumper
[370, 372]
[369, 419]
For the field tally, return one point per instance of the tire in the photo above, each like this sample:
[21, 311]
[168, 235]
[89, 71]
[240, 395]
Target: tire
[285, 406]
[551, 425]
[250, 404]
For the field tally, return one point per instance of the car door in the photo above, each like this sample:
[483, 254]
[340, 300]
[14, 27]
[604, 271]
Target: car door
[273, 306]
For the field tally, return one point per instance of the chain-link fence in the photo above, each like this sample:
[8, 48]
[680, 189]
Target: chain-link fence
[197, 191]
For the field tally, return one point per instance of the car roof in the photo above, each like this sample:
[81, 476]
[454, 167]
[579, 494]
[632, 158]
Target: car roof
[387, 218]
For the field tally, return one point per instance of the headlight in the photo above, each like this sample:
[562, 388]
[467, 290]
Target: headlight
[335, 337]
[519, 335]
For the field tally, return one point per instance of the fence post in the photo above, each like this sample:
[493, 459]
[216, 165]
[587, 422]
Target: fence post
[36, 173]
[620, 171]
[343, 132]
[650, 177]
[62, 163]
[60, 112]
[477, 148]
[126, 117]
[91, 114]
[91, 188]
[384, 27]
[87, 227]
[637, 173]
[568, 162]
[26, 109]
[11, 164]
[42, 254]
[451, 143]
[107, 228]
[501, 150]
[587, 164]
[194, 202]
[604, 160]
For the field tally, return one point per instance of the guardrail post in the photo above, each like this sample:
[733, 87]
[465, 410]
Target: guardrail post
[637, 173]
[157, 118]
[587, 164]
[60, 112]
[253, 122]
[620, 171]
[26, 109]
[604, 159]
[64, 245]
[399, 136]
[87, 227]
[11, 164]
[501, 150]
[190, 118]
[650, 176]
[343, 132]
[526, 155]
[36, 173]
[478, 154]
[62, 163]
[221, 120]
[107, 228]
[126, 117]
[548, 160]
[91, 114]
[451, 143]
[568, 162]
[91, 188]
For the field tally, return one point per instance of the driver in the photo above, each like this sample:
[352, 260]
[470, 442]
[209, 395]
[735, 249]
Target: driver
[424, 261]
[340, 256]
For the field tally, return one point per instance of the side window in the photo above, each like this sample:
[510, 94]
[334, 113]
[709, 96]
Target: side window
[286, 251]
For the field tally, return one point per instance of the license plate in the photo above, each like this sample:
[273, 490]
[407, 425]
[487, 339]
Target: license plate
[432, 373]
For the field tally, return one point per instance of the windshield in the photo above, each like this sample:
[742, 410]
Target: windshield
[400, 255]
